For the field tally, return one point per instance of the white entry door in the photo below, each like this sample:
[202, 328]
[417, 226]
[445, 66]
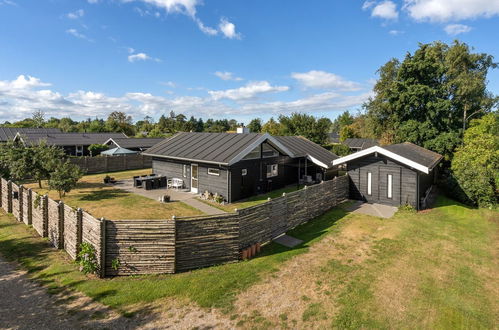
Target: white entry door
[194, 178]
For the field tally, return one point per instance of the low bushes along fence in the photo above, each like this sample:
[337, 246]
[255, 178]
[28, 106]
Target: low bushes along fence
[126, 247]
[103, 164]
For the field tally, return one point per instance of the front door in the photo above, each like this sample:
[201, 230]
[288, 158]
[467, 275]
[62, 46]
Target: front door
[369, 184]
[194, 178]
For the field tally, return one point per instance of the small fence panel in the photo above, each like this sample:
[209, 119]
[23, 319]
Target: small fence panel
[140, 247]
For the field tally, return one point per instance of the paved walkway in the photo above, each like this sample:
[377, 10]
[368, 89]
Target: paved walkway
[175, 195]
[376, 210]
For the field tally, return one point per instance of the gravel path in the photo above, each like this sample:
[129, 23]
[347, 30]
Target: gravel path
[26, 305]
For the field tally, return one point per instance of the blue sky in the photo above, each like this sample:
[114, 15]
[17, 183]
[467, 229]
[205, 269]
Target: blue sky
[223, 59]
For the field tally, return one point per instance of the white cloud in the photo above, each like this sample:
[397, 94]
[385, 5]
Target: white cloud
[368, 4]
[225, 75]
[249, 91]
[386, 10]
[93, 1]
[189, 8]
[8, 2]
[77, 34]
[76, 14]
[228, 29]
[396, 32]
[169, 84]
[455, 29]
[324, 80]
[22, 96]
[139, 57]
[447, 10]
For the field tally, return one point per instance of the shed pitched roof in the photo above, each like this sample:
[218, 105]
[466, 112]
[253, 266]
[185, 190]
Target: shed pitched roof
[358, 143]
[68, 139]
[8, 133]
[302, 147]
[407, 153]
[135, 142]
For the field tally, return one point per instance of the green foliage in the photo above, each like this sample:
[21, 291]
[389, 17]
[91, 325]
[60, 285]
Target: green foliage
[64, 178]
[255, 125]
[347, 132]
[430, 96]
[340, 150]
[87, 259]
[407, 208]
[272, 127]
[345, 119]
[115, 263]
[475, 166]
[96, 149]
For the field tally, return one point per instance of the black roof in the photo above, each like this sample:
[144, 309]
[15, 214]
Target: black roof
[8, 133]
[301, 147]
[333, 137]
[358, 143]
[227, 148]
[204, 147]
[415, 153]
[136, 142]
[69, 139]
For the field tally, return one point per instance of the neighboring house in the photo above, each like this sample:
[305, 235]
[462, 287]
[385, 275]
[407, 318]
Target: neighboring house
[333, 138]
[238, 166]
[397, 174]
[8, 133]
[356, 144]
[74, 144]
[134, 144]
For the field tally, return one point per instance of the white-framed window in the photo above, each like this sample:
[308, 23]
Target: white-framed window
[369, 183]
[244, 171]
[79, 150]
[269, 151]
[184, 171]
[272, 170]
[214, 171]
[389, 190]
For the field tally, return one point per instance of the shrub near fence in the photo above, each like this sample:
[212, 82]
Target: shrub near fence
[103, 164]
[131, 247]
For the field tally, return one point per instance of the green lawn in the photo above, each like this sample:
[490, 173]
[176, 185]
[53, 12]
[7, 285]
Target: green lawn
[435, 269]
[101, 200]
[252, 201]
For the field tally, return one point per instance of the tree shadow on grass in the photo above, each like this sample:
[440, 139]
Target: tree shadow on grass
[99, 195]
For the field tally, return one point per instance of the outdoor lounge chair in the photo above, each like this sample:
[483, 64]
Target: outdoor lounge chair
[155, 183]
[162, 183]
[135, 180]
[177, 183]
[147, 184]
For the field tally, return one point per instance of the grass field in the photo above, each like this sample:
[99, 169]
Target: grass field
[109, 202]
[433, 269]
[252, 201]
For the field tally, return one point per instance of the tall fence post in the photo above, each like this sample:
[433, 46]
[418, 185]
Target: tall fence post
[60, 225]
[29, 203]
[9, 196]
[174, 244]
[21, 202]
[44, 200]
[103, 248]
[1, 192]
[79, 229]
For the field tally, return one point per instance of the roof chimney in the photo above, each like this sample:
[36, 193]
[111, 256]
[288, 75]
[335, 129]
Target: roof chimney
[243, 130]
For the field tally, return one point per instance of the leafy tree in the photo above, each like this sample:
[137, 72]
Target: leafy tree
[475, 165]
[44, 160]
[120, 122]
[347, 132]
[156, 133]
[433, 92]
[272, 127]
[340, 149]
[65, 177]
[308, 126]
[255, 125]
[96, 149]
[345, 119]
[38, 118]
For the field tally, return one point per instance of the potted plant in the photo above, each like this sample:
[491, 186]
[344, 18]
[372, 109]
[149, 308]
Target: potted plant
[165, 198]
[107, 179]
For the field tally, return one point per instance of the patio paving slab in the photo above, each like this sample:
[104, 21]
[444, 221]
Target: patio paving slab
[288, 241]
[374, 209]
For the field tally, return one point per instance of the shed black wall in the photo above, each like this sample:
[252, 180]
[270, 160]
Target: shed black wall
[405, 181]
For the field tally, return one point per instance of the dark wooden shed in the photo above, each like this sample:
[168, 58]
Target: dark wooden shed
[397, 174]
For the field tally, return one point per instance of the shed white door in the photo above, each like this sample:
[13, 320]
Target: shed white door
[194, 178]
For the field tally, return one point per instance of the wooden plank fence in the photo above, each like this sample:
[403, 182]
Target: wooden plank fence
[131, 247]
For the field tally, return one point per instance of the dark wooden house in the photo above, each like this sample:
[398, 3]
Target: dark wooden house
[395, 175]
[73, 144]
[238, 166]
[134, 144]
